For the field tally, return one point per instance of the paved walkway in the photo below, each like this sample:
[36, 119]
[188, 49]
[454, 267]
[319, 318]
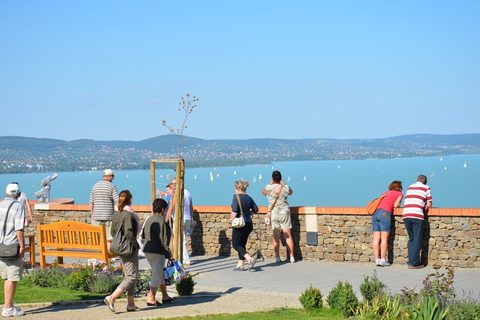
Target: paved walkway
[269, 285]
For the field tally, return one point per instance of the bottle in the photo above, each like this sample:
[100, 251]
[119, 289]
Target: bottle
[192, 226]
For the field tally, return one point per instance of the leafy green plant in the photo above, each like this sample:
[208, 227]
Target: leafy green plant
[371, 287]
[185, 286]
[143, 281]
[311, 298]
[343, 298]
[440, 285]
[80, 279]
[430, 308]
[464, 310]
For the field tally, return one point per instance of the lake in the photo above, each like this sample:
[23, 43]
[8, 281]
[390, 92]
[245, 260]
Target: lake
[352, 183]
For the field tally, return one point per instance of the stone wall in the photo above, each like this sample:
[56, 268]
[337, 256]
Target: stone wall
[451, 235]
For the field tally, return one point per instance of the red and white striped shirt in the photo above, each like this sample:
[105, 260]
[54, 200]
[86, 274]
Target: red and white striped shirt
[415, 199]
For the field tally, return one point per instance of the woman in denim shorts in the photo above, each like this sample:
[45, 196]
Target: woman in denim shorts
[382, 220]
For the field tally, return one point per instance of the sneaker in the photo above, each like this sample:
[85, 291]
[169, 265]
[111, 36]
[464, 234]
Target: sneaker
[383, 263]
[377, 262]
[12, 312]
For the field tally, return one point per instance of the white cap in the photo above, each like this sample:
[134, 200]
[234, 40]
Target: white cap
[12, 190]
[108, 172]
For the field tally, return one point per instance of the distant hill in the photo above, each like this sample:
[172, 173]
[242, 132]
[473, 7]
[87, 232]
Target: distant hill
[23, 154]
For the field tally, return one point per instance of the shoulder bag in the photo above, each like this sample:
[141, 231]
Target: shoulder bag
[239, 222]
[8, 251]
[373, 205]
[120, 244]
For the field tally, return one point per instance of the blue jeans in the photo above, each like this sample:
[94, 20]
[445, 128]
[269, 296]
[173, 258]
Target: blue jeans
[415, 230]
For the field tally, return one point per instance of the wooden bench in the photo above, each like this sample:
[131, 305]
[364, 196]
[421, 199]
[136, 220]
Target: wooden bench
[72, 239]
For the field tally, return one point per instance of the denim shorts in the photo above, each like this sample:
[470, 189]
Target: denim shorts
[381, 220]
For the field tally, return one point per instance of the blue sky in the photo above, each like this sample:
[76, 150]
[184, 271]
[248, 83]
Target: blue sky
[113, 70]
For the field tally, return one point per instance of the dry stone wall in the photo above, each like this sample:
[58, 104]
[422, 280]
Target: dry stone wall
[343, 234]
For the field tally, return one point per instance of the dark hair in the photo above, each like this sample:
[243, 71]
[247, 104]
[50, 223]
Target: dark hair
[276, 176]
[124, 199]
[158, 205]
[395, 185]
[422, 179]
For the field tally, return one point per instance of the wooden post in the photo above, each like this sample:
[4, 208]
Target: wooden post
[179, 208]
[153, 186]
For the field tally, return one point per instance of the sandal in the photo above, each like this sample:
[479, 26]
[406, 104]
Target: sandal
[238, 269]
[155, 304]
[251, 264]
[132, 308]
[169, 299]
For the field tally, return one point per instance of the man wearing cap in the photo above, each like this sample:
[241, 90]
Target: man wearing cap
[103, 197]
[11, 232]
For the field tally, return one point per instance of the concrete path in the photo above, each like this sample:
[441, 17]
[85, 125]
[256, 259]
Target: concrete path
[269, 285]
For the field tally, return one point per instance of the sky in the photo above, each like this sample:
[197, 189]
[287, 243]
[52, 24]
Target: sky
[113, 70]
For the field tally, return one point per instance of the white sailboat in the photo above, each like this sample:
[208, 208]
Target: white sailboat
[288, 179]
[254, 180]
[465, 165]
[234, 172]
[445, 168]
[195, 176]
[305, 178]
[441, 159]
[260, 177]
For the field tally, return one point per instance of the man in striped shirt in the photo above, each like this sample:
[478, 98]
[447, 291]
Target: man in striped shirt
[103, 197]
[418, 200]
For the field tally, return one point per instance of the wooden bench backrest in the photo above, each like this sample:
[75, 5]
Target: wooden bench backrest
[72, 234]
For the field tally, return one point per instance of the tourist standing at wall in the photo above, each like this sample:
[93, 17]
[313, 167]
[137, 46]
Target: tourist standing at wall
[279, 213]
[187, 218]
[11, 232]
[418, 200]
[157, 234]
[124, 221]
[103, 197]
[26, 204]
[247, 207]
[382, 221]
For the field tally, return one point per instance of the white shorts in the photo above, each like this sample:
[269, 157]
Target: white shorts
[11, 269]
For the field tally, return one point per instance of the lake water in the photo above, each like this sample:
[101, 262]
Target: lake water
[453, 180]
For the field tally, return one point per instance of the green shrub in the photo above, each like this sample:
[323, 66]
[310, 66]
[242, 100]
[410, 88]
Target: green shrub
[185, 286]
[143, 281]
[464, 310]
[371, 288]
[311, 298]
[343, 298]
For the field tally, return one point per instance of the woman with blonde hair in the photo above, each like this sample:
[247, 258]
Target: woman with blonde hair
[124, 221]
[243, 204]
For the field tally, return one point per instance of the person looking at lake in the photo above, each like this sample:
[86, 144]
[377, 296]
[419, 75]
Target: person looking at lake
[247, 207]
[279, 213]
[103, 197]
[167, 195]
[123, 219]
[26, 204]
[157, 235]
[382, 221]
[418, 200]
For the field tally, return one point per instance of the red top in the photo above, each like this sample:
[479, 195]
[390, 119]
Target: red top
[389, 200]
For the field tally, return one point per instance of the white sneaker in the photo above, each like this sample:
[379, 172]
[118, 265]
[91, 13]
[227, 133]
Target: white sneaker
[12, 312]
[377, 262]
[383, 263]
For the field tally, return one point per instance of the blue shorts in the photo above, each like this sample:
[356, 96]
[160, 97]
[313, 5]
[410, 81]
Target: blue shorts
[381, 220]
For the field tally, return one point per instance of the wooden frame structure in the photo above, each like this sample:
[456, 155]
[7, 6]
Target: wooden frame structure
[178, 224]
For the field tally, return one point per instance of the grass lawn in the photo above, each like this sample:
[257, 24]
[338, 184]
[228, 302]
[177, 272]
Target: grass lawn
[29, 294]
